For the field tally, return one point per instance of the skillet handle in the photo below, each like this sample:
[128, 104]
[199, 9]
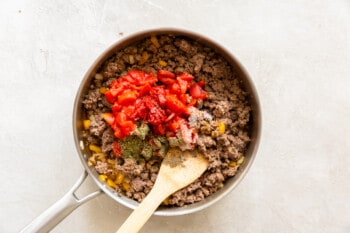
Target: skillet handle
[59, 210]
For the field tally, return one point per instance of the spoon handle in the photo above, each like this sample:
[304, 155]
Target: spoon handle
[145, 209]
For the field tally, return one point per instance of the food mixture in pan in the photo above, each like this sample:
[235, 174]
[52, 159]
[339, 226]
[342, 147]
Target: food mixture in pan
[162, 92]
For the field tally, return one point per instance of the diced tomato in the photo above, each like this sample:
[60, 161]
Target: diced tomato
[173, 126]
[115, 83]
[201, 83]
[186, 76]
[197, 92]
[108, 117]
[149, 79]
[136, 75]
[116, 107]
[158, 93]
[130, 79]
[144, 90]
[117, 150]
[165, 74]
[174, 104]
[117, 91]
[167, 81]
[129, 111]
[127, 127]
[156, 115]
[117, 132]
[141, 110]
[171, 116]
[175, 89]
[175, 123]
[127, 97]
[183, 85]
[120, 118]
[183, 98]
[159, 129]
[109, 97]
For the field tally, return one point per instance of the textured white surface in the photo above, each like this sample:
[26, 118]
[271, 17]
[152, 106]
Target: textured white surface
[297, 52]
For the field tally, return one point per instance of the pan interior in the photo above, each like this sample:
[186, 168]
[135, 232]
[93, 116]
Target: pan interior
[78, 116]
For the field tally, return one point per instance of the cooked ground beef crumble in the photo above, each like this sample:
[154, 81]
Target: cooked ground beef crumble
[227, 104]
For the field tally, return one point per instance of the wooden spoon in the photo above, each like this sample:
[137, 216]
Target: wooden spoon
[178, 169]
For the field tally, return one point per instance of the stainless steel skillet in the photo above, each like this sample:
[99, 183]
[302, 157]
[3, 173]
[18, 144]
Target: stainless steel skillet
[63, 207]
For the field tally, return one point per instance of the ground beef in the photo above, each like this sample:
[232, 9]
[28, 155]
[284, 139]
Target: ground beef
[101, 167]
[97, 126]
[130, 167]
[227, 103]
[107, 140]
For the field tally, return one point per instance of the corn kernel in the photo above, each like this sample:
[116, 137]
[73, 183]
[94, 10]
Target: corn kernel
[162, 63]
[102, 177]
[95, 148]
[101, 156]
[214, 134]
[92, 161]
[233, 164]
[154, 41]
[240, 161]
[126, 186]
[166, 201]
[103, 90]
[120, 178]
[221, 127]
[111, 184]
[86, 124]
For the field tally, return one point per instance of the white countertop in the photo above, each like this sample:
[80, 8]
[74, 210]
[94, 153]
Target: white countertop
[298, 55]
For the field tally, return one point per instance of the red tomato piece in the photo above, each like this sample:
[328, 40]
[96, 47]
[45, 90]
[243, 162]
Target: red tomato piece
[175, 124]
[171, 116]
[141, 110]
[183, 98]
[201, 83]
[127, 127]
[115, 83]
[185, 76]
[158, 93]
[143, 90]
[159, 129]
[175, 89]
[197, 92]
[108, 117]
[120, 118]
[136, 75]
[165, 74]
[129, 111]
[117, 150]
[167, 81]
[109, 97]
[130, 79]
[117, 132]
[183, 85]
[127, 97]
[149, 79]
[156, 115]
[115, 91]
[174, 104]
[116, 108]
